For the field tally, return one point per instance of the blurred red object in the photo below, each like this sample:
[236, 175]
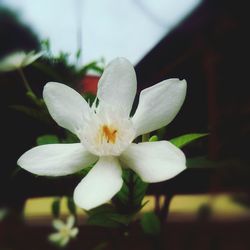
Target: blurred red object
[89, 84]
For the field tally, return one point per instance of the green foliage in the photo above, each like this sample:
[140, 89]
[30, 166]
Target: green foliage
[183, 140]
[71, 205]
[55, 207]
[129, 198]
[153, 138]
[126, 203]
[47, 139]
[89, 97]
[161, 132]
[145, 137]
[78, 54]
[94, 66]
[34, 99]
[106, 216]
[69, 137]
[150, 223]
[37, 114]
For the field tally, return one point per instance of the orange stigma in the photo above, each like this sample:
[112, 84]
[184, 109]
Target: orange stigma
[109, 133]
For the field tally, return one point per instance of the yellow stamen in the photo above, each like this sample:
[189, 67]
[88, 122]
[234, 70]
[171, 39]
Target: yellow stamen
[109, 133]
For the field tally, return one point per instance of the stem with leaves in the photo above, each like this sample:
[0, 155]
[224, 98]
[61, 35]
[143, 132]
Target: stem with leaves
[25, 81]
[30, 93]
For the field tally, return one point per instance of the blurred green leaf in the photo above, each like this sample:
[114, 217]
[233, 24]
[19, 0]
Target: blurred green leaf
[78, 54]
[55, 207]
[47, 139]
[161, 132]
[150, 223]
[130, 197]
[89, 97]
[41, 115]
[183, 140]
[153, 138]
[70, 137]
[91, 66]
[106, 216]
[71, 205]
[35, 99]
[140, 190]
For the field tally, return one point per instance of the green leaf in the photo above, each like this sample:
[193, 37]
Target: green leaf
[129, 198]
[78, 54]
[183, 140]
[71, 205]
[47, 139]
[106, 216]
[70, 138]
[161, 132]
[150, 224]
[34, 99]
[105, 208]
[91, 66]
[41, 115]
[55, 207]
[153, 138]
[100, 216]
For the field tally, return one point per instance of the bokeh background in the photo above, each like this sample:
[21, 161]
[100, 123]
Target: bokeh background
[205, 42]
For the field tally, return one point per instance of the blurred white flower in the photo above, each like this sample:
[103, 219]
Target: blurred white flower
[65, 231]
[106, 133]
[18, 60]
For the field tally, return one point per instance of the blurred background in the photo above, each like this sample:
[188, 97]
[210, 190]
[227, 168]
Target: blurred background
[205, 42]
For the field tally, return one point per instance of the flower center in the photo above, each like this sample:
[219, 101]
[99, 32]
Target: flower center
[64, 231]
[109, 134]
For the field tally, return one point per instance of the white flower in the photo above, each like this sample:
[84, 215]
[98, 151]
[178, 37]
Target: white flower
[106, 133]
[17, 60]
[66, 231]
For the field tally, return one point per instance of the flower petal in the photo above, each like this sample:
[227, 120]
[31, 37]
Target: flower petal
[154, 161]
[70, 221]
[56, 159]
[67, 107]
[58, 224]
[12, 61]
[158, 105]
[64, 241]
[100, 185]
[55, 237]
[117, 86]
[74, 232]
[31, 57]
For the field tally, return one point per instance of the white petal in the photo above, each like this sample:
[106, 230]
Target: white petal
[100, 185]
[117, 86]
[55, 237]
[12, 61]
[154, 161]
[74, 232]
[158, 105]
[67, 107]
[64, 241]
[58, 224]
[70, 221]
[56, 159]
[31, 57]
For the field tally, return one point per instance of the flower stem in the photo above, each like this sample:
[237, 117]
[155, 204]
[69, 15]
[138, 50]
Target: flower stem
[30, 94]
[25, 81]
[145, 137]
